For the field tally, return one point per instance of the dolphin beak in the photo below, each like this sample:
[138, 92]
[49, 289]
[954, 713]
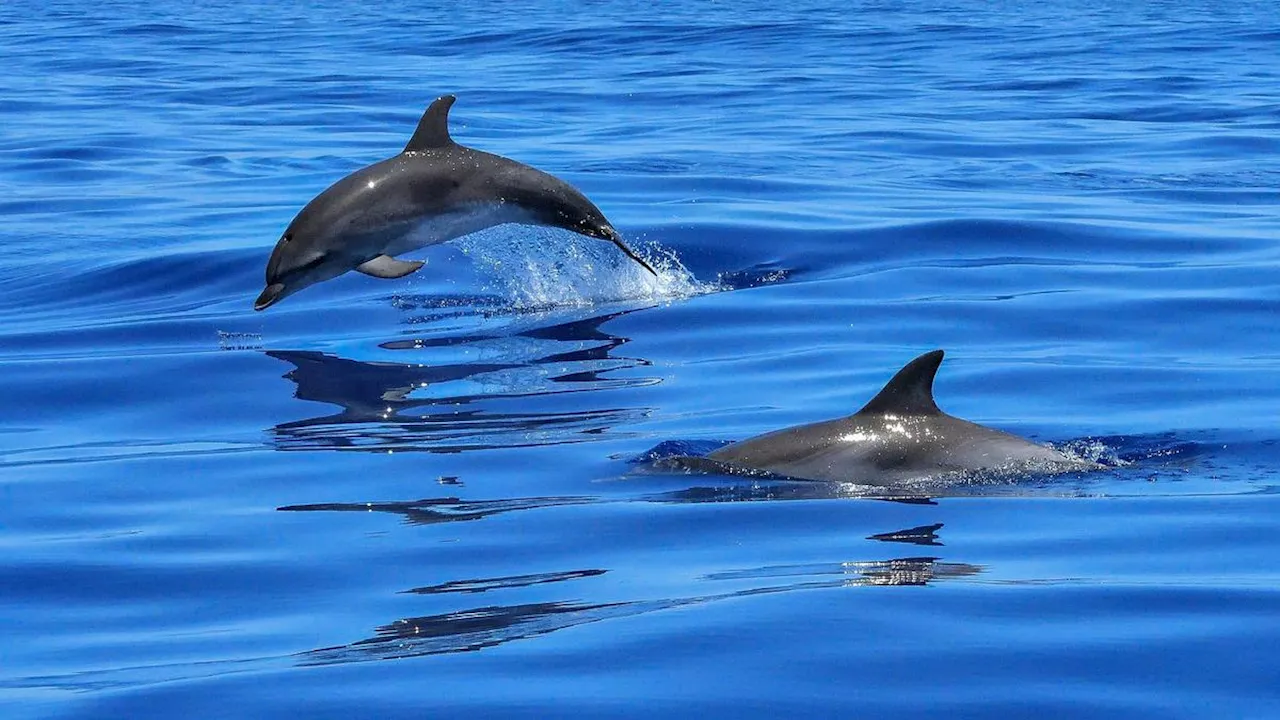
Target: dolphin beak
[269, 296]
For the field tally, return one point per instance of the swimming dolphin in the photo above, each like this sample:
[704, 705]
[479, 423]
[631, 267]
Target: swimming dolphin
[900, 435]
[432, 192]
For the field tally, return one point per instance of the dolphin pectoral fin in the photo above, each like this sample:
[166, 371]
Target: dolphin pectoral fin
[389, 268]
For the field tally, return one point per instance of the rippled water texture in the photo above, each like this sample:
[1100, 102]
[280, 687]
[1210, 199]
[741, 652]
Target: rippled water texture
[445, 495]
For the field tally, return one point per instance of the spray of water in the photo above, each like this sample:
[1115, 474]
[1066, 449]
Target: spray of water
[1092, 450]
[542, 269]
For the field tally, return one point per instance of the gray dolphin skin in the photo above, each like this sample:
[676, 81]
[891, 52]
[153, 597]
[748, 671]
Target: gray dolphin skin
[900, 435]
[434, 191]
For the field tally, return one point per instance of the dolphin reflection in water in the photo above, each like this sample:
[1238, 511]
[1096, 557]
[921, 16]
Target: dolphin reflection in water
[527, 390]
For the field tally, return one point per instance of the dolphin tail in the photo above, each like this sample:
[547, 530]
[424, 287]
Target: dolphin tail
[616, 239]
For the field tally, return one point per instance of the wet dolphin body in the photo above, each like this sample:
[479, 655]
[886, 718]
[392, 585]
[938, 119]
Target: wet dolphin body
[432, 192]
[900, 435]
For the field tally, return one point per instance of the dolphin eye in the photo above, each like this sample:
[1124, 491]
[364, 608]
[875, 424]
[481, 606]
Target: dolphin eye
[287, 238]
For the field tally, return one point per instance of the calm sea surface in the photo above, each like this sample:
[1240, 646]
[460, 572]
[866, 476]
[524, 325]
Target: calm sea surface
[430, 497]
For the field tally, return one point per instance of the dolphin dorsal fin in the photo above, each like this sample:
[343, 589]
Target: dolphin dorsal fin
[433, 128]
[910, 392]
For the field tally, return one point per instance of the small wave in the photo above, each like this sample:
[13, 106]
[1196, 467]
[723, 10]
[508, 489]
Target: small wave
[755, 276]
[1125, 451]
[125, 449]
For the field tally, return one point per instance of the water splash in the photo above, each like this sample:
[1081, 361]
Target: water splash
[229, 340]
[1093, 450]
[542, 268]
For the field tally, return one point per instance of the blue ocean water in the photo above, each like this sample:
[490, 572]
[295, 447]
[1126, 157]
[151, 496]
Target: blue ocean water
[427, 497]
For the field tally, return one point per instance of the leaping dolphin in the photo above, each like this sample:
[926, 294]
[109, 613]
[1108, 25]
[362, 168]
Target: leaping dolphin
[432, 192]
[900, 435]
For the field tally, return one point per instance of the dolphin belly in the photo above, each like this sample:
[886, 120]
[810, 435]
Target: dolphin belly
[428, 230]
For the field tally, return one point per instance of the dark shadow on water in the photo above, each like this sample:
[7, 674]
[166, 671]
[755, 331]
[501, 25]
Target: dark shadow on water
[474, 628]
[508, 581]
[541, 386]
[923, 535]
[478, 628]
[466, 630]
[430, 511]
